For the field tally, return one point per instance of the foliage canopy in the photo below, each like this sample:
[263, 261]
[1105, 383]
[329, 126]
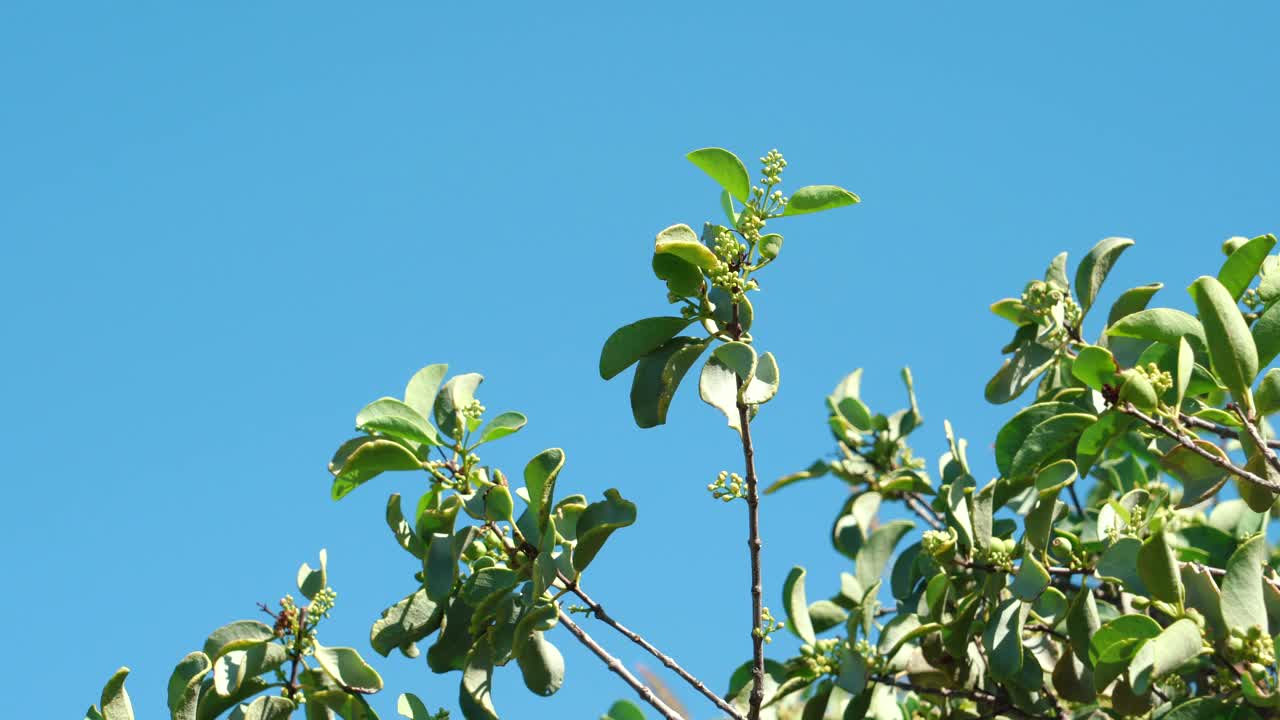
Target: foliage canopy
[1117, 567]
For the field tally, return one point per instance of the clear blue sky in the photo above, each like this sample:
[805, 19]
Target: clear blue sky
[225, 228]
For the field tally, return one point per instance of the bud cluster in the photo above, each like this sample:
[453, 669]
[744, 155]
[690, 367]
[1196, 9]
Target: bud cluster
[1051, 308]
[1251, 299]
[1254, 649]
[938, 542]
[474, 410]
[322, 603]
[727, 487]
[768, 626]
[1161, 380]
[772, 164]
[822, 657]
[1000, 553]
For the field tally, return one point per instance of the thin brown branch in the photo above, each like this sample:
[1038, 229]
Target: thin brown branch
[1216, 429]
[756, 699]
[600, 614]
[922, 509]
[1190, 444]
[1256, 437]
[615, 665]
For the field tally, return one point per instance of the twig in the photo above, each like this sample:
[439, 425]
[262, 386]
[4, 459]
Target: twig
[602, 616]
[1267, 453]
[1075, 500]
[978, 696]
[753, 542]
[1216, 429]
[1189, 443]
[919, 507]
[615, 665]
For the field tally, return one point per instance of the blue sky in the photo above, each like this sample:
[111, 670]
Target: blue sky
[227, 227]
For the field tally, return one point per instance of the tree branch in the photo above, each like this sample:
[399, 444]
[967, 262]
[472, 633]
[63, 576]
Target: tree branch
[615, 665]
[602, 616]
[1189, 443]
[753, 542]
[1256, 437]
[1219, 430]
[920, 508]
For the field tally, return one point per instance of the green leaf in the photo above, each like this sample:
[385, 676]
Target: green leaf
[408, 705]
[235, 635]
[1266, 334]
[1095, 267]
[718, 387]
[597, 523]
[501, 426]
[816, 198]
[797, 607]
[1120, 563]
[267, 707]
[726, 169]
[629, 343]
[1082, 623]
[764, 385]
[441, 567]
[420, 393]
[184, 685]
[683, 278]
[1031, 580]
[682, 242]
[312, 581]
[1056, 273]
[542, 666]
[348, 669]
[234, 667]
[1030, 360]
[657, 377]
[403, 531]
[1095, 367]
[405, 623]
[498, 504]
[1242, 266]
[1210, 708]
[115, 700]
[739, 357]
[853, 672]
[1175, 645]
[1267, 398]
[623, 710]
[1242, 600]
[363, 459]
[1160, 325]
[1235, 358]
[1136, 388]
[1002, 638]
[540, 479]
[455, 395]
[389, 416]
[475, 695]
[1158, 569]
[770, 246]
[1116, 643]
[874, 554]
[1052, 438]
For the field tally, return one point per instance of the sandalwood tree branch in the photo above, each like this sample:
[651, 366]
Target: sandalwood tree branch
[920, 508]
[756, 699]
[1219, 430]
[1256, 437]
[602, 616]
[615, 665]
[1190, 444]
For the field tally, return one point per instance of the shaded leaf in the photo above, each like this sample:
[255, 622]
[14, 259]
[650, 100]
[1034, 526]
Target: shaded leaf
[631, 342]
